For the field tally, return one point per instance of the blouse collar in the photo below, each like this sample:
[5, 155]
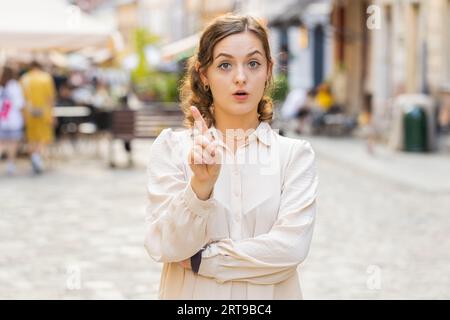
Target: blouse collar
[263, 133]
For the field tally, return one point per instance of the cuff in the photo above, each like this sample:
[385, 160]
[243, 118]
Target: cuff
[200, 207]
[210, 263]
[196, 260]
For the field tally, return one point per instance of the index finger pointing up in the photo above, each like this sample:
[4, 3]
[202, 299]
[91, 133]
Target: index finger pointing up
[199, 122]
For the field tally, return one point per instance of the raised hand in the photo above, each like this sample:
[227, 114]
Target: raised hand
[204, 158]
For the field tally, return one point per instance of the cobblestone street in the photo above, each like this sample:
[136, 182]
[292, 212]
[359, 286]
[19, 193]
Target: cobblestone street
[77, 232]
[377, 238]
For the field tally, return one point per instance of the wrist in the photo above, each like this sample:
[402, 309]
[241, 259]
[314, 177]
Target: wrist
[196, 260]
[203, 190]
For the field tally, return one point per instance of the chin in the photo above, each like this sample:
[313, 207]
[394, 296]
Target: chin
[237, 108]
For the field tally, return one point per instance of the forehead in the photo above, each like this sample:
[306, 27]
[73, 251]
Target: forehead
[239, 44]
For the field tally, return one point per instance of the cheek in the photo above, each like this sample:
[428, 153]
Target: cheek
[259, 78]
[221, 87]
[220, 90]
[260, 84]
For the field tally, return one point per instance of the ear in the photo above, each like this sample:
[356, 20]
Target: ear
[201, 73]
[269, 70]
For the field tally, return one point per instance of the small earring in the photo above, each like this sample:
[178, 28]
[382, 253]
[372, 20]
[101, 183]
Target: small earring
[206, 87]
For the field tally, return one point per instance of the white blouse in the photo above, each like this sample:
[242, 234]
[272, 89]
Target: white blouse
[257, 225]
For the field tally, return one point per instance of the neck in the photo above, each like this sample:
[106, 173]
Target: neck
[226, 122]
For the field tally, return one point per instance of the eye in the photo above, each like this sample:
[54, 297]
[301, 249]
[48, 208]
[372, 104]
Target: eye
[254, 64]
[224, 66]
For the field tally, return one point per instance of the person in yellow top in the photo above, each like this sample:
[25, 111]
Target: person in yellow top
[324, 98]
[39, 92]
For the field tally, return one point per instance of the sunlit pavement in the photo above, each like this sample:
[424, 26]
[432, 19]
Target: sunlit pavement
[77, 231]
[383, 226]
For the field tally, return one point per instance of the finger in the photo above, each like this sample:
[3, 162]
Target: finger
[202, 158]
[202, 141]
[217, 157]
[206, 151]
[205, 157]
[195, 158]
[197, 149]
[199, 122]
[211, 148]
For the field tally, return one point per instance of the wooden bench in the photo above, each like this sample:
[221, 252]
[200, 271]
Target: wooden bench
[145, 123]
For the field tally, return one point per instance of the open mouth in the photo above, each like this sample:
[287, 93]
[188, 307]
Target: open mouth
[240, 93]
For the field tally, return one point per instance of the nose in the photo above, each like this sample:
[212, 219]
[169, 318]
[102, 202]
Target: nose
[240, 77]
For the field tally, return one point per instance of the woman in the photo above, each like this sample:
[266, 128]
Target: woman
[39, 92]
[231, 203]
[11, 118]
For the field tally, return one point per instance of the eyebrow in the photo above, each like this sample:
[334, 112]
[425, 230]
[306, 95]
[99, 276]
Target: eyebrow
[230, 56]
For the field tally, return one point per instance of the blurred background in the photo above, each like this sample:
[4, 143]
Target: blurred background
[367, 82]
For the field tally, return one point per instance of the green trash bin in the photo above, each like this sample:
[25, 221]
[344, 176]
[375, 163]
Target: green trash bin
[415, 129]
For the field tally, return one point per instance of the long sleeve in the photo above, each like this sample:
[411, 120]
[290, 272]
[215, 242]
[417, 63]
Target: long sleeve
[272, 257]
[16, 94]
[176, 219]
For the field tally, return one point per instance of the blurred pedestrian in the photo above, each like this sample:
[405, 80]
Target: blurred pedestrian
[101, 97]
[227, 226]
[65, 98]
[366, 128]
[324, 98]
[294, 102]
[39, 91]
[11, 117]
[306, 112]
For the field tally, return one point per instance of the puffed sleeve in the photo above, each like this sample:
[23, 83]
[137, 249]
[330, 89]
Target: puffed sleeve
[273, 257]
[175, 217]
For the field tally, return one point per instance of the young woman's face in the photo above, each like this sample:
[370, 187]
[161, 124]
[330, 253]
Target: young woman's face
[238, 74]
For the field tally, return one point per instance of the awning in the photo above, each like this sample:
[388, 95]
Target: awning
[49, 24]
[296, 13]
[181, 48]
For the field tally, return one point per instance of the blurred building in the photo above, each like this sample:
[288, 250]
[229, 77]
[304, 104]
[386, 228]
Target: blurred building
[127, 15]
[426, 43]
[383, 48]
[369, 50]
[174, 20]
[410, 51]
[351, 53]
[303, 42]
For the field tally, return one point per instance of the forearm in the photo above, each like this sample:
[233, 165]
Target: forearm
[178, 230]
[268, 258]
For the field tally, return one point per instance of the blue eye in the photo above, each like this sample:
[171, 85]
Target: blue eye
[254, 64]
[224, 66]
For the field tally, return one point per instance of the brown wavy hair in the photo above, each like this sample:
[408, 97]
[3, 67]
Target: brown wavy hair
[192, 92]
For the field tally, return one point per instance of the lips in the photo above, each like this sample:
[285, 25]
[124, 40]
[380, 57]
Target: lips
[240, 96]
[240, 93]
